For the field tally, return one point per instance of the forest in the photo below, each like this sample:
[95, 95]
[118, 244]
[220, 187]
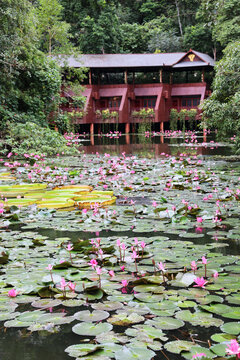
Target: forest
[31, 30]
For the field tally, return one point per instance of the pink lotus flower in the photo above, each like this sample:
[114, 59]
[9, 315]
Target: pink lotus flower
[199, 219]
[143, 244]
[63, 284]
[193, 265]
[49, 267]
[69, 247]
[93, 263]
[199, 355]
[201, 282]
[13, 293]
[123, 246]
[98, 270]
[204, 260]
[233, 348]
[71, 286]
[215, 275]
[161, 266]
[134, 255]
[122, 267]
[111, 273]
[124, 283]
[136, 241]
[118, 242]
[154, 204]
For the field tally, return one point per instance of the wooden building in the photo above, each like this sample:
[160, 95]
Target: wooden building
[120, 85]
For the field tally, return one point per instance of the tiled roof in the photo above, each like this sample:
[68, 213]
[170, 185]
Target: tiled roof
[128, 61]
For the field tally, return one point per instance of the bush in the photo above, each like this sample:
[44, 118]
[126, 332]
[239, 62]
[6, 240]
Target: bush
[222, 111]
[31, 138]
[173, 119]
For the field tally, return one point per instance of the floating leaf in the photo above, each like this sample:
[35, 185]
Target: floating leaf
[133, 353]
[88, 329]
[96, 315]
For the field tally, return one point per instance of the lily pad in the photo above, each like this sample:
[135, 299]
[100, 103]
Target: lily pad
[96, 315]
[88, 329]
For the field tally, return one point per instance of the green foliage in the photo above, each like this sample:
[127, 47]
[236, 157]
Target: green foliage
[101, 34]
[31, 138]
[30, 81]
[221, 110]
[53, 32]
[173, 119]
[227, 27]
[191, 114]
[107, 114]
[133, 38]
[198, 37]
[144, 113]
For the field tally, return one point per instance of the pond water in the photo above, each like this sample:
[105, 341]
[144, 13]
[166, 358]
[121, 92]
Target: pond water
[175, 204]
[154, 145]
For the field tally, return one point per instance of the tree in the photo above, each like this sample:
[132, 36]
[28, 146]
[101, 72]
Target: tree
[101, 34]
[134, 38]
[54, 33]
[29, 80]
[162, 35]
[227, 27]
[198, 37]
[222, 110]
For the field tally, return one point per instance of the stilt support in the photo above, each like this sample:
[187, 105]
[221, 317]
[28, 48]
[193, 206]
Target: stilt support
[162, 126]
[127, 128]
[92, 129]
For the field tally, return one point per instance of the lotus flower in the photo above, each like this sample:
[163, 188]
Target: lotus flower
[13, 293]
[233, 348]
[201, 282]
[199, 355]
[124, 283]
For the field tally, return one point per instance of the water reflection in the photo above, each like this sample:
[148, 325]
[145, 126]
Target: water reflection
[155, 145]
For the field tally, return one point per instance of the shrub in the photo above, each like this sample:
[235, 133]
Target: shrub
[31, 138]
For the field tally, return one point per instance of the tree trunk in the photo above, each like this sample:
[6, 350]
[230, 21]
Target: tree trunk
[214, 53]
[179, 19]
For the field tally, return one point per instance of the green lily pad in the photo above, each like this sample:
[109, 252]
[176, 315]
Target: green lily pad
[221, 337]
[134, 353]
[125, 320]
[165, 323]
[88, 329]
[231, 328]
[107, 306]
[219, 349]
[199, 318]
[80, 350]
[87, 316]
[178, 346]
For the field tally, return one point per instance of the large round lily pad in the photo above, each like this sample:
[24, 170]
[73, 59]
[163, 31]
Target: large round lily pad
[88, 329]
[87, 316]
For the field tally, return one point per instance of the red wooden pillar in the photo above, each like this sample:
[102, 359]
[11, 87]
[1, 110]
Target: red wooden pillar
[127, 128]
[161, 126]
[91, 129]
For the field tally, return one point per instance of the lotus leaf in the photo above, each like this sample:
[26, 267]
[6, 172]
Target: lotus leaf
[82, 349]
[88, 329]
[165, 323]
[96, 315]
[133, 353]
[198, 318]
[125, 319]
[178, 346]
[231, 328]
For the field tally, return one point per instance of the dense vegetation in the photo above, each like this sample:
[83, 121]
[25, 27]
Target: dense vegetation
[30, 80]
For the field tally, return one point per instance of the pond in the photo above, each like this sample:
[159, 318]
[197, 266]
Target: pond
[153, 275]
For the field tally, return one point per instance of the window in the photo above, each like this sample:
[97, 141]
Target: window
[110, 103]
[196, 102]
[190, 102]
